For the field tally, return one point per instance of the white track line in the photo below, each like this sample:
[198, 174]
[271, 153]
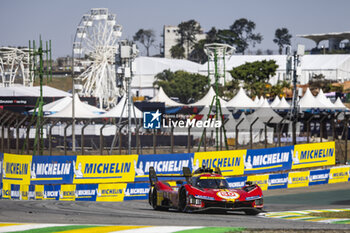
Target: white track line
[27, 227]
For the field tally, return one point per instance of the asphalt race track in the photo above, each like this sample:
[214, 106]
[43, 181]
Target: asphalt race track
[140, 213]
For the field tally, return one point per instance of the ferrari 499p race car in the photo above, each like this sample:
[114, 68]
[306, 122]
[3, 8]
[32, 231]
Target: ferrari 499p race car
[205, 189]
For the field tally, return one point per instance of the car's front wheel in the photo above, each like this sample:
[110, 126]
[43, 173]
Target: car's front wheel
[183, 200]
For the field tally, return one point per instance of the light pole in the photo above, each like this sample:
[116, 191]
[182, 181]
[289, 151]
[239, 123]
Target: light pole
[296, 72]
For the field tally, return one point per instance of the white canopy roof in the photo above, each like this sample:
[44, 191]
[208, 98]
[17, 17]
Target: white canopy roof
[256, 100]
[241, 101]
[339, 105]
[308, 101]
[32, 91]
[207, 99]
[81, 110]
[117, 111]
[265, 104]
[265, 114]
[162, 97]
[55, 106]
[275, 102]
[324, 100]
[283, 104]
[261, 101]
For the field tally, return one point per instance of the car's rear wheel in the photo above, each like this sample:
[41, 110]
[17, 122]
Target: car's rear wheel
[154, 201]
[253, 211]
[183, 201]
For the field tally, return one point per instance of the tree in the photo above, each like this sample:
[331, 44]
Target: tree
[177, 51]
[146, 38]
[318, 81]
[186, 86]
[255, 75]
[282, 38]
[198, 54]
[188, 31]
[242, 30]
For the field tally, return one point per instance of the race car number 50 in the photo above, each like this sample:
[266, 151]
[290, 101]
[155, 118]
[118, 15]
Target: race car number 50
[228, 195]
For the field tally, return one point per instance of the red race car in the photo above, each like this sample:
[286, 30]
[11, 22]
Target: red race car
[205, 189]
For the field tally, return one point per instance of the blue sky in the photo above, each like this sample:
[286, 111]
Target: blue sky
[23, 20]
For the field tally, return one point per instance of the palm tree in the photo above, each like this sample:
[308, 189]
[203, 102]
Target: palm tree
[282, 38]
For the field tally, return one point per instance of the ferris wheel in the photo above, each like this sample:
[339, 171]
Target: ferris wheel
[14, 67]
[94, 50]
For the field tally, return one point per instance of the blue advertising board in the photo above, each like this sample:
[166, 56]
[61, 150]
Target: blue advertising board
[86, 192]
[136, 191]
[319, 177]
[15, 191]
[236, 182]
[164, 164]
[52, 192]
[31, 192]
[277, 181]
[268, 160]
[52, 169]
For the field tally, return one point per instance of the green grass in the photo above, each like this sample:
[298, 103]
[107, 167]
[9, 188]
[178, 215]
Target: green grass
[56, 229]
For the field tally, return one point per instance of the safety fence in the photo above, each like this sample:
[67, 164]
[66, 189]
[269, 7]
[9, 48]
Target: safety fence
[124, 177]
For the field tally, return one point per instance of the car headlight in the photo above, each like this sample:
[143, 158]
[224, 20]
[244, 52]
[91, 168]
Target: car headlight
[195, 201]
[259, 201]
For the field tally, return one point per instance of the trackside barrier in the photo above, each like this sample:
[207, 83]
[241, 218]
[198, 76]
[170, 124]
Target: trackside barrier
[115, 177]
[139, 191]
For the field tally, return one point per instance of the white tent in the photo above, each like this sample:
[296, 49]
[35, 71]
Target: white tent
[117, 111]
[265, 104]
[241, 101]
[60, 104]
[265, 114]
[261, 101]
[324, 100]
[283, 104]
[208, 98]
[275, 102]
[81, 110]
[162, 97]
[256, 100]
[32, 91]
[339, 105]
[55, 106]
[308, 101]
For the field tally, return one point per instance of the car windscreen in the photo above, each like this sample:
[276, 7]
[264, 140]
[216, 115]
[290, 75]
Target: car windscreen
[211, 183]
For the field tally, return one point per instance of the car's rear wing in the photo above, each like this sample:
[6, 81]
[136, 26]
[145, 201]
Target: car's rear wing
[186, 172]
[153, 177]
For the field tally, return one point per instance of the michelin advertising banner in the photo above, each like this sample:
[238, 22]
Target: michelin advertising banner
[52, 169]
[230, 162]
[277, 181]
[104, 169]
[319, 177]
[339, 174]
[16, 168]
[268, 160]
[313, 155]
[164, 164]
[136, 191]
